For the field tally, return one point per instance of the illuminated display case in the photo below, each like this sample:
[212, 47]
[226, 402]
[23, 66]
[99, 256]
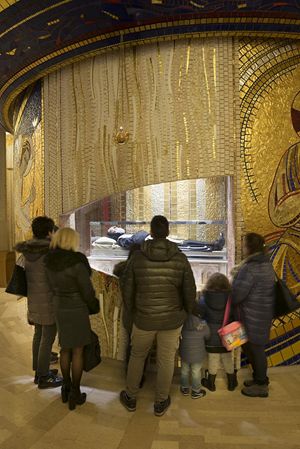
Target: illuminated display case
[199, 212]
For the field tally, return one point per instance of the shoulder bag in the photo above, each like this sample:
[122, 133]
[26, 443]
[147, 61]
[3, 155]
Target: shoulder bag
[18, 282]
[233, 335]
[92, 353]
[285, 301]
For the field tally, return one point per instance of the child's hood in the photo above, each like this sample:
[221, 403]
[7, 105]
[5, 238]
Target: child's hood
[194, 323]
[216, 300]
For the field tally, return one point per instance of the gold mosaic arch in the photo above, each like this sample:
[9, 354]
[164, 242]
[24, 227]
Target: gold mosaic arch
[40, 73]
[6, 4]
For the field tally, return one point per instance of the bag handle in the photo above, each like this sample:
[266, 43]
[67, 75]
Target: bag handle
[227, 312]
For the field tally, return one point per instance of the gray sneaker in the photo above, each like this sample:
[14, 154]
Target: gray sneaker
[250, 382]
[127, 402]
[160, 408]
[50, 381]
[256, 391]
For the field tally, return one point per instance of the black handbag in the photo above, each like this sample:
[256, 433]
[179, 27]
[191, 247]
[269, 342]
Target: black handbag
[18, 282]
[285, 301]
[94, 306]
[92, 353]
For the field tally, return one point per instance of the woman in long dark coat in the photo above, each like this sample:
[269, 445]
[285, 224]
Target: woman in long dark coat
[69, 276]
[253, 294]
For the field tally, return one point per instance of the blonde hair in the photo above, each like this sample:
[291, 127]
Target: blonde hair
[65, 238]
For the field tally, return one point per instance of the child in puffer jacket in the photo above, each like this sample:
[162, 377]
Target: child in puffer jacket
[212, 308]
[192, 352]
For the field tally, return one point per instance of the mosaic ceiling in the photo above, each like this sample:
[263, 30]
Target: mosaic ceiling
[38, 36]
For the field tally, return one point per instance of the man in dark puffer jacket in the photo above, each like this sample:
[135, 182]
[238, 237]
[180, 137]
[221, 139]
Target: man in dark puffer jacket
[158, 290]
[40, 301]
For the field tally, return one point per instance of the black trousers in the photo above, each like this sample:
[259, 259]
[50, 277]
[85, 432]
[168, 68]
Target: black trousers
[43, 340]
[257, 358]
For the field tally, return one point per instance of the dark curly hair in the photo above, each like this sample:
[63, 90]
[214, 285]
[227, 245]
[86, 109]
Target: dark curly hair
[42, 226]
[218, 282]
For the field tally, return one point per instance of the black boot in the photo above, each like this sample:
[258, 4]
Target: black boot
[76, 398]
[209, 382]
[231, 382]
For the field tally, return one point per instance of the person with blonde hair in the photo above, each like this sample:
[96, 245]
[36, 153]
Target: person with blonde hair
[74, 299]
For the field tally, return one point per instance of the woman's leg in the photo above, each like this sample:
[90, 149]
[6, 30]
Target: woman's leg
[76, 397]
[65, 365]
[247, 349]
[77, 367]
[260, 364]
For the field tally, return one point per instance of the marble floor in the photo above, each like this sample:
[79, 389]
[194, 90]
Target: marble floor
[36, 419]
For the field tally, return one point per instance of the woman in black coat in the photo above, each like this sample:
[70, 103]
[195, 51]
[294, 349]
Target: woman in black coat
[69, 273]
[253, 294]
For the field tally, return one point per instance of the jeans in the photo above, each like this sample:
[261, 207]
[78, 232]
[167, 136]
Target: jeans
[258, 360]
[43, 340]
[214, 360]
[167, 345]
[193, 369]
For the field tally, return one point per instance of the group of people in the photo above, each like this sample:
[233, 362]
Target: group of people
[60, 299]
[160, 303]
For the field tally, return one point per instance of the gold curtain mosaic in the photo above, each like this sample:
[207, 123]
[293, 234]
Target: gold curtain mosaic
[177, 100]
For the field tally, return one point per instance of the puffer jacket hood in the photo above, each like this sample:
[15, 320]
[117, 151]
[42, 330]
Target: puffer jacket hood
[60, 259]
[258, 258]
[159, 250]
[216, 300]
[33, 249]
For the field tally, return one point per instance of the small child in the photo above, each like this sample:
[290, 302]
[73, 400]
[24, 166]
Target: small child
[212, 309]
[192, 352]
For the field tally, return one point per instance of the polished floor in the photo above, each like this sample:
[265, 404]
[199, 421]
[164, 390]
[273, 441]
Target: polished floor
[35, 419]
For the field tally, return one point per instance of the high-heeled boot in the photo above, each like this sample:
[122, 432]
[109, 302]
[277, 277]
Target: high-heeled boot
[76, 398]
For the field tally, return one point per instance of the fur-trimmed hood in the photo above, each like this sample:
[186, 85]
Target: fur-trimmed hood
[33, 249]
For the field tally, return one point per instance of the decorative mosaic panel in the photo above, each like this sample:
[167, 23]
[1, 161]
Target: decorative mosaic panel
[28, 164]
[269, 86]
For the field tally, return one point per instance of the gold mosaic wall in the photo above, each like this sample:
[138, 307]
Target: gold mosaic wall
[270, 81]
[186, 200]
[28, 162]
[178, 101]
